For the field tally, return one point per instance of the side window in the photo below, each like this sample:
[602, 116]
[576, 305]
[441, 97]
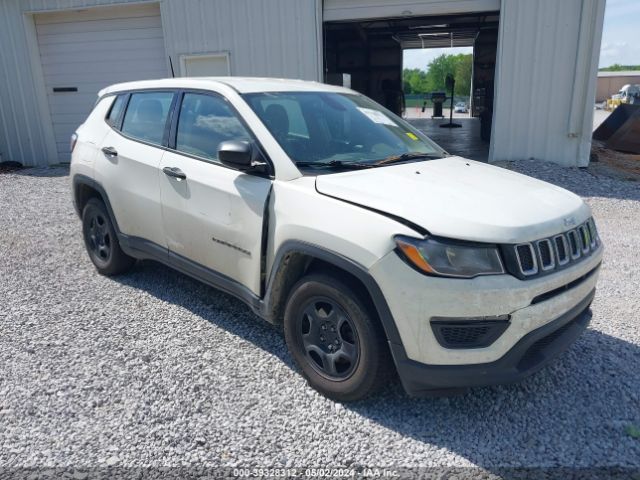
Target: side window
[146, 116]
[116, 110]
[204, 122]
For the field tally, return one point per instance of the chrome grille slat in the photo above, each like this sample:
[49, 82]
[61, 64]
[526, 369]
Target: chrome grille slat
[585, 241]
[562, 254]
[523, 262]
[574, 244]
[594, 234]
[548, 254]
[545, 250]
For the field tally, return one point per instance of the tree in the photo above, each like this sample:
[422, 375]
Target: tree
[616, 67]
[434, 78]
[414, 79]
[438, 70]
[463, 70]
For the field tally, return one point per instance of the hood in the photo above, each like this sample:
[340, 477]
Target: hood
[458, 198]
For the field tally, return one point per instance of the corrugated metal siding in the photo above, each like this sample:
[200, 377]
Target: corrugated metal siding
[22, 138]
[545, 80]
[335, 10]
[264, 37]
[23, 134]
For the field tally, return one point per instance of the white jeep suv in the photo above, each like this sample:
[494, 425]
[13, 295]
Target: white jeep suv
[378, 251]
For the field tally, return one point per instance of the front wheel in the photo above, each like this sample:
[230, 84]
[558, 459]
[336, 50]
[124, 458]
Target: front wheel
[339, 347]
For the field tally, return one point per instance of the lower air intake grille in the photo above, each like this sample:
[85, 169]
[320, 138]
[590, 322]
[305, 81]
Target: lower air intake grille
[467, 334]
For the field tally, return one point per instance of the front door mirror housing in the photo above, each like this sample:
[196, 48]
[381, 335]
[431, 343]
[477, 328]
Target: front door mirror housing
[241, 155]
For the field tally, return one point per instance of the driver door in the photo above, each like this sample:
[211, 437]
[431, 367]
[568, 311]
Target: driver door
[212, 214]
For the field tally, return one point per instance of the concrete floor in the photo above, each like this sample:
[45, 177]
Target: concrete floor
[599, 116]
[416, 112]
[464, 141]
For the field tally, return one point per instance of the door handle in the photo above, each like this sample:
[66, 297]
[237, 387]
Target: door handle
[174, 172]
[110, 151]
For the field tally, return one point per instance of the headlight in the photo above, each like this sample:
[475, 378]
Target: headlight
[450, 258]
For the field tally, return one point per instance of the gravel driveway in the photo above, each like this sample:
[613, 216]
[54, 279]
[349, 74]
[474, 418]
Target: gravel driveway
[153, 368]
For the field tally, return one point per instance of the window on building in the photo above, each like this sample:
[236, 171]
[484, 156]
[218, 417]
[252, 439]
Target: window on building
[146, 116]
[205, 121]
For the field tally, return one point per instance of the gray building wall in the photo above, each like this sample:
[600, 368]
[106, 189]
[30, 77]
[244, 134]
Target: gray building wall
[610, 83]
[546, 70]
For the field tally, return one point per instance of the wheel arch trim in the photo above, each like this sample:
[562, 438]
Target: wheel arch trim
[289, 247]
[83, 180]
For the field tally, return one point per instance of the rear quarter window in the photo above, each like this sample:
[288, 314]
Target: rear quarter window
[146, 116]
[115, 111]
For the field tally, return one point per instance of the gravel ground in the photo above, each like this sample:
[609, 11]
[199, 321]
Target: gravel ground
[155, 369]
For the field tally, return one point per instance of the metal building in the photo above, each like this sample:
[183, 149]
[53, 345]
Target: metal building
[610, 83]
[56, 54]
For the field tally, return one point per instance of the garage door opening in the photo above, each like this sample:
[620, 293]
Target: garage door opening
[368, 56]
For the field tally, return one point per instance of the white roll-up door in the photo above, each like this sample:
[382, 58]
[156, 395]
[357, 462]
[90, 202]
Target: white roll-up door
[84, 51]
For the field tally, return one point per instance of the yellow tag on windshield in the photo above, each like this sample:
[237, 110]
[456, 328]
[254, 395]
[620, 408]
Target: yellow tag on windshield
[412, 136]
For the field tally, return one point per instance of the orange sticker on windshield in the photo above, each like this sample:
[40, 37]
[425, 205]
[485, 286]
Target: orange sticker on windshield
[412, 136]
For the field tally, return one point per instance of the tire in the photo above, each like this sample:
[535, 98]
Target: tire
[337, 344]
[101, 241]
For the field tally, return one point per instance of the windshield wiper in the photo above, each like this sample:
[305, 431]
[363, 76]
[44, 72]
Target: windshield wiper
[336, 164]
[408, 156]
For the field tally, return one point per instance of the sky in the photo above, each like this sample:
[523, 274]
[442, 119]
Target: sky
[620, 38]
[621, 35]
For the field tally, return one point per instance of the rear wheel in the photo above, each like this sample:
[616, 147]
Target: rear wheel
[333, 338]
[101, 241]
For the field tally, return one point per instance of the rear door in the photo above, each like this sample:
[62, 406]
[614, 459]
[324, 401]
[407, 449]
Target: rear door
[130, 167]
[214, 215]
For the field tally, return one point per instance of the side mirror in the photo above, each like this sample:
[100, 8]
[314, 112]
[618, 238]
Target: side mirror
[242, 155]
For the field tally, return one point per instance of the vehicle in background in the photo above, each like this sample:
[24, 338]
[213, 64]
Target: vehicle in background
[461, 107]
[629, 94]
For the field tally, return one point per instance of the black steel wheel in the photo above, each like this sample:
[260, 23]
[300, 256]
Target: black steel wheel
[334, 338]
[101, 241]
[329, 338]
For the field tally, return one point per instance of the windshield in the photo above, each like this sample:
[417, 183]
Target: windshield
[324, 128]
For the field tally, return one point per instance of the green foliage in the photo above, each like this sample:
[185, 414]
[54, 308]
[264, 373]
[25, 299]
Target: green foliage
[464, 65]
[633, 431]
[414, 81]
[418, 81]
[616, 67]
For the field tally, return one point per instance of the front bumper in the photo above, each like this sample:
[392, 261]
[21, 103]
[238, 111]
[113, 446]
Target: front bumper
[537, 308]
[530, 354]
